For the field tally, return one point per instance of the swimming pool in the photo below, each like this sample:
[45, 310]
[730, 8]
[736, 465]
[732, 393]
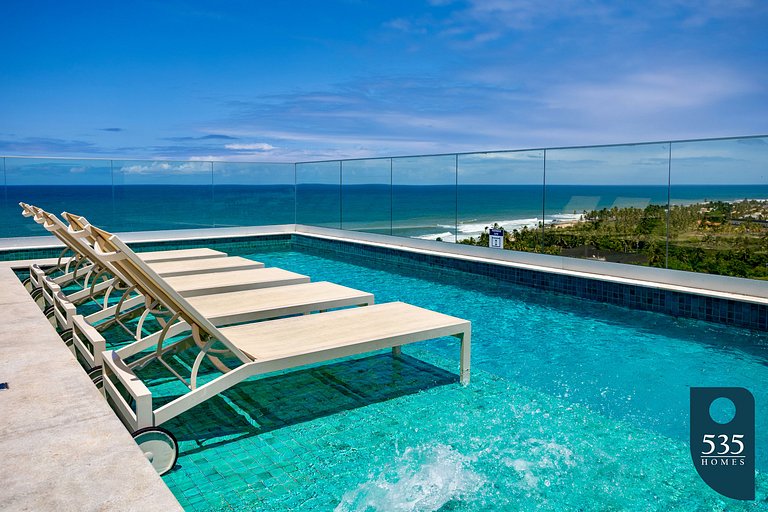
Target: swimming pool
[573, 405]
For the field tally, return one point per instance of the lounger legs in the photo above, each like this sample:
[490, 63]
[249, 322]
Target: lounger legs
[466, 343]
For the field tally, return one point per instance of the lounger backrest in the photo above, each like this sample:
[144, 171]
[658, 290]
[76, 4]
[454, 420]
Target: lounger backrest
[54, 225]
[77, 244]
[35, 211]
[78, 229]
[152, 285]
[26, 210]
[78, 226]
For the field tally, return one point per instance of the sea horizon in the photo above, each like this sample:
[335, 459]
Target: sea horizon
[418, 211]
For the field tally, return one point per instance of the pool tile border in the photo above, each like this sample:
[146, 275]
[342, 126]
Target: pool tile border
[732, 312]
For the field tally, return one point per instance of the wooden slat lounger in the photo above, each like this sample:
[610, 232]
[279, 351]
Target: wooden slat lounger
[78, 223]
[199, 285]
[192, 276]
[259, 297]
[206, 284]
[227, 309]
[188, 284]
[256, 348]
[184, 270]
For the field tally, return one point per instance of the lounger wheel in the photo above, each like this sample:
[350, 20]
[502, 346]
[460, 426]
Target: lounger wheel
[159, 447]
[66, 336]
[28, 284]
[37, 295]
[49, 313]
[96, 376]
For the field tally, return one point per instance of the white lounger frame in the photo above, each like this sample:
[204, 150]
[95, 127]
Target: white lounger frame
[142, 414]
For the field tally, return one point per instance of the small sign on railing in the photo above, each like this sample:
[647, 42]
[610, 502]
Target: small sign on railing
[496, 238]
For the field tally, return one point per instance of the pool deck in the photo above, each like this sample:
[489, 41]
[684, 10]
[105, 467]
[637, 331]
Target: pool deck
[62, 446]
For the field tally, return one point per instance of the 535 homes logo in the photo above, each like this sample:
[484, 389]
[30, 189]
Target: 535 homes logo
[723, 440]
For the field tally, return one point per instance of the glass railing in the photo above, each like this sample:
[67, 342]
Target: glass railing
[318, 194]
[504, 188]
[253, 194]
[689, 205]
[366, 195]
[718, 220]
[607, 203]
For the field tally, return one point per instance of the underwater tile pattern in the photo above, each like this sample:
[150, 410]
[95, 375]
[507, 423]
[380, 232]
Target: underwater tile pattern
[329, 439]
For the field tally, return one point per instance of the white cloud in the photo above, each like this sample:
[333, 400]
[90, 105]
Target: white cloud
[167, 168]
[251, 147]
[650, 92]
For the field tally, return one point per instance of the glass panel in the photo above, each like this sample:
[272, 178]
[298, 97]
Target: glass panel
[78, 186]
[253, 194]
[366, 195]
[424, 197]
[608, 203]
[318, 194]
[719, 214]
[152, 195]
[503, 188]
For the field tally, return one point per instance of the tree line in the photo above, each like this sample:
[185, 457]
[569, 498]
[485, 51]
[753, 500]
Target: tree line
[714, 237]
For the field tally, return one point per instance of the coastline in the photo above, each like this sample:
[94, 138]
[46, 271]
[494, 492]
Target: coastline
[473, 228]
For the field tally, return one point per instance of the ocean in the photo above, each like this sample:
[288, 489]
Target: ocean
[423, 211]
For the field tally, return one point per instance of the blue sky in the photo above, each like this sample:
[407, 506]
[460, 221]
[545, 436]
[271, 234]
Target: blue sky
[288, 81]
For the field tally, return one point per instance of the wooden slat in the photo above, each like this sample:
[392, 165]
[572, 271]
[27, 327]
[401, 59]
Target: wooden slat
[189, 267]
[290, 337]
[251, 305]
[180, 254]
[220, 282]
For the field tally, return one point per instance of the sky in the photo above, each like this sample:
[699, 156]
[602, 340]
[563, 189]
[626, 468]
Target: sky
[294, 81]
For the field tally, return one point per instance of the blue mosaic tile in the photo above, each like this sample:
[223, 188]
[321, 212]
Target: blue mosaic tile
[678, 304]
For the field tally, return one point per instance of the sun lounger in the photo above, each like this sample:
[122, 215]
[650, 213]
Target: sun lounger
[220, 309]
[255, 348]
[200, 253]
[177, 262]
[130, 306]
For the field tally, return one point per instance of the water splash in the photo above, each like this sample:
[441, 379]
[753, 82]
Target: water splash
[424, 478]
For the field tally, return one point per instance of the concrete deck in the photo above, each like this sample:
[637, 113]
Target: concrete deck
[61, 446]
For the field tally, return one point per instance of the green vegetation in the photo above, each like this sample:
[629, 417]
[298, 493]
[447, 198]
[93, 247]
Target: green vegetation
[715, 237]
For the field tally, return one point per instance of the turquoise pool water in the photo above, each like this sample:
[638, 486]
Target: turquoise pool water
[573, 405]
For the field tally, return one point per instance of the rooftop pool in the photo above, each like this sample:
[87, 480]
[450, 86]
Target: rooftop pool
[573, 405]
